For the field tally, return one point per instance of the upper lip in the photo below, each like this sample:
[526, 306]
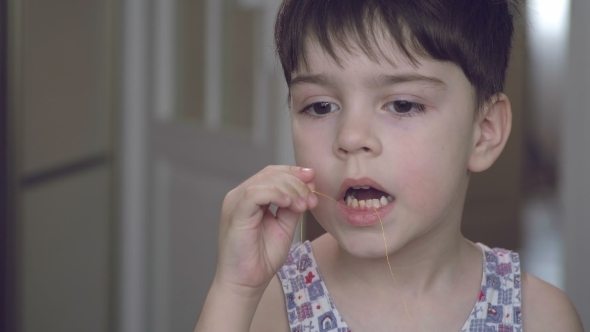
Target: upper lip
[360, 182]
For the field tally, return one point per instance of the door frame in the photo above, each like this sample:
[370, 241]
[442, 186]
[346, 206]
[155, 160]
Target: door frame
[7, 224]
[145, 99]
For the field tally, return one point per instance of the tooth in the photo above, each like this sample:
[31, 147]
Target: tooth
[376, 204]
[355, 203]
[356, 188]
[365, 187]
[383, 201]
[369, 203]
[348, 200]
[390, 198]
[362, 204]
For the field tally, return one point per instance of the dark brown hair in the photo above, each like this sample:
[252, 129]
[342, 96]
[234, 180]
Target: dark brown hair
[473, 34]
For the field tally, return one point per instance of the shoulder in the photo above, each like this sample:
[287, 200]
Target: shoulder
[271, 314]
[547, 308]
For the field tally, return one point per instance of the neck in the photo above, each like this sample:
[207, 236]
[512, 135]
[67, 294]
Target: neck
[431, 260]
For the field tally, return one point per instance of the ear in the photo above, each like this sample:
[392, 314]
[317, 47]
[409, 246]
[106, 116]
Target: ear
[491, 131]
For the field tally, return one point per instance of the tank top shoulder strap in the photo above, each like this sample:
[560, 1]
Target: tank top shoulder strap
[309, 306]
[499, 301]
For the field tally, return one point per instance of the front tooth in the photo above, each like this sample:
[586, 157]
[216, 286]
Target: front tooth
[369, 203]
[365, 187]
[362, 204]
[376, 204]
[348, 200]
[390, 198]
[383, 201]
[356, 188]
[355, 203]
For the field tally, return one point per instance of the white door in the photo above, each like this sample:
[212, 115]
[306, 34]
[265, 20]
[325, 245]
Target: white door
[204, 107]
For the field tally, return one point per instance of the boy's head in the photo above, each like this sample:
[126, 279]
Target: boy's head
[475, 35]
[382, 101]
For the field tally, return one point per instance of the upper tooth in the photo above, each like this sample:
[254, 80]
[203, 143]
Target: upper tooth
[365, 187]
[357, 188]
[383, 201]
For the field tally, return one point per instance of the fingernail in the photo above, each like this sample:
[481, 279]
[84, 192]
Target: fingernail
[306, 170]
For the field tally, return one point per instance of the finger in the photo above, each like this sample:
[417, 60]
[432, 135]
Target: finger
[259, 196]
[293, 186]
[284, 225]
[287, 220]
[302, 173]
[299, 190]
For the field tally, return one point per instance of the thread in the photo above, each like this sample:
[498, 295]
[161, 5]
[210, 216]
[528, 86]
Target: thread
[384, 243]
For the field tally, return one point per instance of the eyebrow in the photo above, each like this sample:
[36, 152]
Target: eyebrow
[385, 80]
[375, 82]
[319, 79]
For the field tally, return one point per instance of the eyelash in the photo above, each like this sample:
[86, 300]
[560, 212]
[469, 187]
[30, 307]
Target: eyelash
[416, 109]
[306, 109]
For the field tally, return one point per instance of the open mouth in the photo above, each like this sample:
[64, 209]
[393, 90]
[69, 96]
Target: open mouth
[363, 198]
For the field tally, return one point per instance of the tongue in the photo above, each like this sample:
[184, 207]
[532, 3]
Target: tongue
[371, 193]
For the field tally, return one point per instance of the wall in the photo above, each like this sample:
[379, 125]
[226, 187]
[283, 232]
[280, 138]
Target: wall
[575, 157]
[61, 102]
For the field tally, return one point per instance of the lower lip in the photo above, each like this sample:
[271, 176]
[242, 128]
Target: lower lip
[364, 218]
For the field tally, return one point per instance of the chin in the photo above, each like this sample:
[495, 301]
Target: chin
[368, 246]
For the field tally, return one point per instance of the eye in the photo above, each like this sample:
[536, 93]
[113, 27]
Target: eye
[404, 107]
[320, 108]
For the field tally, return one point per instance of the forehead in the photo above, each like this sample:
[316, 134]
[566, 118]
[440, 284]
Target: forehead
[386, 60]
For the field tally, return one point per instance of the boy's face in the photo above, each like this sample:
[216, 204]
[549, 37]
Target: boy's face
[406, 129]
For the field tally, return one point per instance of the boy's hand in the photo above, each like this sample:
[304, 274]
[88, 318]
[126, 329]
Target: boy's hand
[254, 243]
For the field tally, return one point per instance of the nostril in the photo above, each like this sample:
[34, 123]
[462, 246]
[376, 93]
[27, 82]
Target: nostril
[366, 149]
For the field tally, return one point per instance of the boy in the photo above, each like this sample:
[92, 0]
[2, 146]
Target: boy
[393, 104]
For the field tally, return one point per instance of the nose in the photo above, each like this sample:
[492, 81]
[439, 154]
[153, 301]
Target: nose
[357, 136]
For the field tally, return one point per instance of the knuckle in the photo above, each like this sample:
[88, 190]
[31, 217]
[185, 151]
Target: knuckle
[229, 199]
[302, 188]
[249, 192]
[230, 194]
[269, 168]
[273, 188]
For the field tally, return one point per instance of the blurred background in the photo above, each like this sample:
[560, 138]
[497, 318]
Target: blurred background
[123, 124]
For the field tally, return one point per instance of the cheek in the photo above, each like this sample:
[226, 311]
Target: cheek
[431, 177]
[313, 148]
[305, 154]
[299, 144]
[310, 143]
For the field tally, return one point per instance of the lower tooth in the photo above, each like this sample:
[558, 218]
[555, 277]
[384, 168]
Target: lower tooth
[390, 198]
[369, 203]
[376, 203]
[348, 200]
[355, 203]
[362, 204]
[383, 201]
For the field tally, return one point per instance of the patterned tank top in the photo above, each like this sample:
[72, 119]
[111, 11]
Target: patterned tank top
[310, 308]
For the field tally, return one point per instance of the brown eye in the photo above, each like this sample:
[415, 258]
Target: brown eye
[321, 108]
[404, 107]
